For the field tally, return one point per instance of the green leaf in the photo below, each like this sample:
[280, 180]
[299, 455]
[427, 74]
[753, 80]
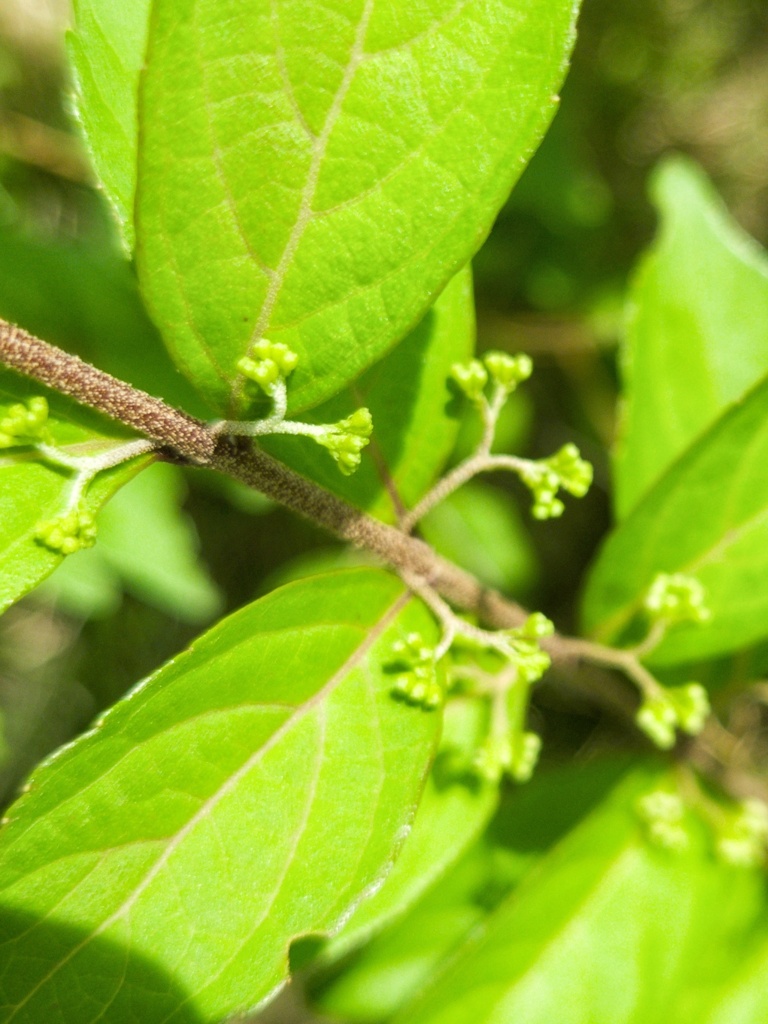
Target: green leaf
[85, 299]
[743, 996]
[316, 173]
[147, 547]
[695, 337]
[389, 970]
[395, 965]
[106, 52]
[707, 517]
[454, 809]
[32, 492]
[603, 932]
[414, 419]
[253, 790]
[480, 528]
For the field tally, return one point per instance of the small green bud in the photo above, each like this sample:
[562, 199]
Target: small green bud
[657, 718]
[508, 371]
[471, 377]
[418, 683]
[346, 439]
[691, 704]
[662, 814]
[493, 758]
[536, 626]
[267, 363]
[24, 423]
[68, 533]
[743, 840]
[565, 469]
[675, 598]
[525, 755]
[574, 474]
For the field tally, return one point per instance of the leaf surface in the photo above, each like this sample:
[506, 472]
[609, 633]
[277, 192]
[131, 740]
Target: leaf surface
[707, 517]
[454, 809]
[605, 931]
[695, 336]
[251, 791]
[415, 415]
[395, 964]
[32, 491]
[316, 173]
[106, 52]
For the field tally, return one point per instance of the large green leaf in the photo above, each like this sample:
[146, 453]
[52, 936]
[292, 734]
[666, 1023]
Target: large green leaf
[106, 52]
[707, 517]
[32, 491]
[696, 337]
[252, 790]
[415, 420]
[607, 930]
[317, 172]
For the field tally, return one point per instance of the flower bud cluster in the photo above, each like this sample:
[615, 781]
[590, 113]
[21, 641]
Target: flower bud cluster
[68, 533]
[513, 755]
[565, 469]
[346, 439]
[530, 661]
[674, 598]
[675, 707]
[267, 363]
[663, 815]
[24, 423]
[742, 841]
[506, 371]
[418, 682]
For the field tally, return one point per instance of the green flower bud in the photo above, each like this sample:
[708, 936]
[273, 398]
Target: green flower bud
[537, 625]
[525, 755]
[657, 718]
[573, 473]
[743, 840]
[24, 423]
[508, 371]
[675, 598]
[471, 377]
[691, 704]
[663, 814]
[565, 469]
[68, 533]
[418, 683]
[267, 363]
[493, 758]
[346, 439]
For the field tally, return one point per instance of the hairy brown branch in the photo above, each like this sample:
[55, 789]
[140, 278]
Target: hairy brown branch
[193, 441]
[190, 440]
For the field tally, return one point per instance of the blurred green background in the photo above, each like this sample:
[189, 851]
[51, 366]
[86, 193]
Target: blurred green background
[684, 75]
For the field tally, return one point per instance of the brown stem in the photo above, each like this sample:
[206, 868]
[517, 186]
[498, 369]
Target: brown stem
[190, 440]
[193, 441]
